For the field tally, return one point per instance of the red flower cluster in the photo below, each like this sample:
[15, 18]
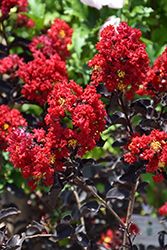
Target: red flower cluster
[152, 148]
[9, 122]
[41, 154]
[122, 61]
[81, 110]
[111, 240]
[34, 160]
[163, 210]
[56, 40]
[9, 63]
[156, 80]
[40, 75]
[42, 44]
[6, 5]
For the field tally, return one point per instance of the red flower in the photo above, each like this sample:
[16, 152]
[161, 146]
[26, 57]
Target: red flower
[40, 75]
[6, 5]
[42, 44]
[56, 40]
[152, 148]
[133, 229]
[41, 154]
[111, 240]
[163, 210]
[9, 64]
[10, 121]
[34, 160]
[60, 33]
[122, 61]
[83, 112]
[156, 80]
[107, 239]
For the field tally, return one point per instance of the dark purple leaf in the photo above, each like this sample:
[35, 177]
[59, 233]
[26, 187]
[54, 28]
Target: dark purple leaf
[89, 182]
[5, 86]
[83, 240]
[89, 161]
[66, 219]
[161, 239]
[142, 185]
[117, 193]
[100, 143]
[66, 196]
[63, 231]
[3, 51]
[79, 229]
[75, 212]
[149, 123]
[133, 172]
[117, 118]
[54, 192]
[134, 247]
[119, 142]
[2, 233]
[142, 105]
[89, 207]
[35, 228]
[164, 100]
[15, 242]
[5, 213]
[164, 116]
[101, 89]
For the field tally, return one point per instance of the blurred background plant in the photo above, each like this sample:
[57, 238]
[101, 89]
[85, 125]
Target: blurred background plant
[15, 35]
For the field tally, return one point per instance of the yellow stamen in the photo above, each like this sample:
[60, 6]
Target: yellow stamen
[72, 142]
[155, 146]
[159, 79]
[54, 83]
[43, 140]
[161, 164]
[121, 74]
[52, 159]
[98, 68]
[107, 239]
[62, 101]
[121, 85]
[5, 126]
[37, 176]
[129, 146]
[62, 34]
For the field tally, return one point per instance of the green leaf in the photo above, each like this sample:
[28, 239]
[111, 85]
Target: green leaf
[75, 8]
[78, 42]
[159, 35]
[37, 8]
[159, 53]
[31, 108]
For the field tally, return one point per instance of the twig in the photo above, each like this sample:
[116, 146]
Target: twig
[129, 212]
[126, 115]
[79, 205]
[104, 202]
[39, 235]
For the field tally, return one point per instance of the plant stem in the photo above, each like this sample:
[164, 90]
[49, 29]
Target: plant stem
[129, 212]
[104, 202]
[79, 205]
[126, 115]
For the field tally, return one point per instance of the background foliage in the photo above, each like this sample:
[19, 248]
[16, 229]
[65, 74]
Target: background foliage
[149, 16]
